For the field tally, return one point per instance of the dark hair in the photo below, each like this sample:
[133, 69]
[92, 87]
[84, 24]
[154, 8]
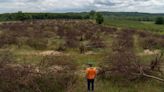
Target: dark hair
[90, 65]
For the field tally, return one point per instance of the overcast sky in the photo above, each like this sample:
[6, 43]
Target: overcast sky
[152, 6]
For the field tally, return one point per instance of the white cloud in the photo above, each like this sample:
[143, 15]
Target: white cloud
[81, 5]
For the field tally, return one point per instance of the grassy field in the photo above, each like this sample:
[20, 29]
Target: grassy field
[139, 25]
[111, 86]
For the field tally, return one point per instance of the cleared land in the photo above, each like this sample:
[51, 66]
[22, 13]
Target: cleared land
[47, 55]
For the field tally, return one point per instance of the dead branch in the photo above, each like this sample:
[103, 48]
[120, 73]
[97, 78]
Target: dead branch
[153, 77]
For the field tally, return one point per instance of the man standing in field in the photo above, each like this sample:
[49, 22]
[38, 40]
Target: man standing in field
[90, 75]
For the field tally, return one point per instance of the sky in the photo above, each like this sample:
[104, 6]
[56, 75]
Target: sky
[149, 6]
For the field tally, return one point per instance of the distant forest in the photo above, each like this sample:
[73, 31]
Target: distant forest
[30, 16]
[136, 16]
[83, 15]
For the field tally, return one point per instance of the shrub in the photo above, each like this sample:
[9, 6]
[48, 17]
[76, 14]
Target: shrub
[17, 78]
[6, 57]
[8, 38]
[151, 42]
[92, 14]
[65, 66]
[72, 43]
[38, 44]
[61, 47]
[121, 63]
[97, 42]
[55, 74]
[63, 61]
[99, 18]
[159, 20]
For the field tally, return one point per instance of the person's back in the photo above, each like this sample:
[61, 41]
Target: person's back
[90, 75]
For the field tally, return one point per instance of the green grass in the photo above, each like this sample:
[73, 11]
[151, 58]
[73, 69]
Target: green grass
[148, 26]
[112, 86]
[137, 47]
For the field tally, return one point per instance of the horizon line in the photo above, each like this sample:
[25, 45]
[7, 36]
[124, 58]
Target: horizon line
[85, 12]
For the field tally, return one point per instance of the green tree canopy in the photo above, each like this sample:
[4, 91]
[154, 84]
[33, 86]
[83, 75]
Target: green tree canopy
[92, 14]
[99, 18]
[159, 20]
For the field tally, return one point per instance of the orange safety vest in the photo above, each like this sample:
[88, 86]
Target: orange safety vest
[91, 73]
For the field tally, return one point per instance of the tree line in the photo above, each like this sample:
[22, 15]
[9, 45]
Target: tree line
[20, 16]
[30, 16]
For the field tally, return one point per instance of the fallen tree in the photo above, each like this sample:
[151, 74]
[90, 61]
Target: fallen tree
[123, 63]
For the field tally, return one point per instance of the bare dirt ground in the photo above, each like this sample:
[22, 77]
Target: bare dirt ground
[149, 52]
[51, 52]
[90, 53]
[44, 53]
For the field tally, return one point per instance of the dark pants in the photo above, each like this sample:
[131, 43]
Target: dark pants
[90, 84]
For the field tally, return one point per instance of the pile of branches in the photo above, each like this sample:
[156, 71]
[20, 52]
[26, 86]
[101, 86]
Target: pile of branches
[123, 62]
[36, 34]
[48, 76]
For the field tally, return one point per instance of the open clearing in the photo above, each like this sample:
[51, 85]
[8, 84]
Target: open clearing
[52, 55]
